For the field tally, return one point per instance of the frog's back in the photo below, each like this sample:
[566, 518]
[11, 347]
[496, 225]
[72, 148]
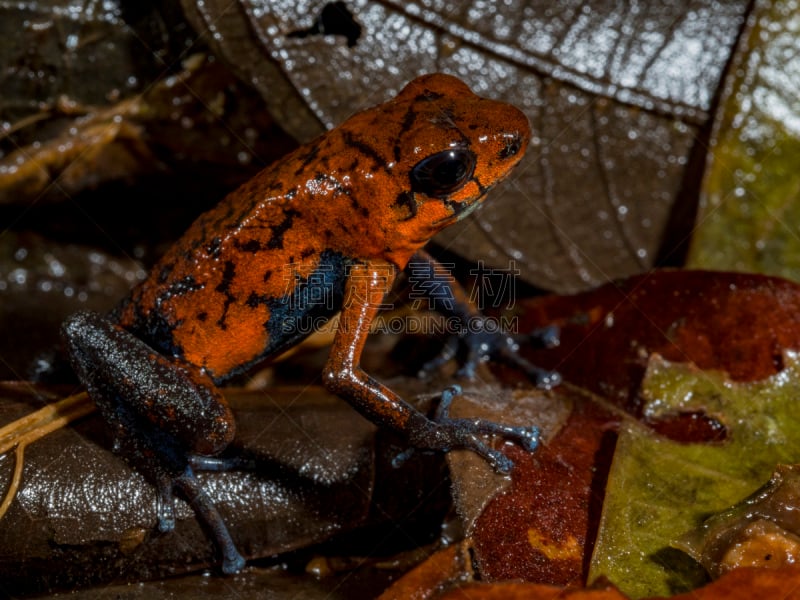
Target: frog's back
[248, 279]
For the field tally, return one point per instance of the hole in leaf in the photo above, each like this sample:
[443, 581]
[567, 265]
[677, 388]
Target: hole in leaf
[691, 427]
[335, 19]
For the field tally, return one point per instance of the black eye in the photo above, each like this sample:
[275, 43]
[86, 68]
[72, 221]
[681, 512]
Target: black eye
[443, 173]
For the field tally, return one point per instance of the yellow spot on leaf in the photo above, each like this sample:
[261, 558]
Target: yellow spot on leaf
[568, 549]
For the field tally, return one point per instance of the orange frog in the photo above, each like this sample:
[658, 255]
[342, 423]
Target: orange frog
[325, 230]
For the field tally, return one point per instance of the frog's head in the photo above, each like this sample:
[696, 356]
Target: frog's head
[451, 148]
[420, 162]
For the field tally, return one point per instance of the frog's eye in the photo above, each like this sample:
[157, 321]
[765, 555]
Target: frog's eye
[443, 173]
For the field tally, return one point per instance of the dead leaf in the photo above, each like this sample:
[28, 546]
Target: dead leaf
[173, 120]
[735, 322]
[749, 205]
[617, 99]
[762, 530]
[426, 580]
[542, 527]
[658, 489]
[741, 584]
[319, 471]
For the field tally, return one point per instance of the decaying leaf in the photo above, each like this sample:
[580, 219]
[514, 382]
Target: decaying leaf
[424, 582]
[761, 531]
[317, 472]
[741, 584]
[736, 322]
[90, 52]
[617, 98]
[658, 490]
[200, 114]
[750, 197]
[542, 526]
[474, 481]
[444, 576]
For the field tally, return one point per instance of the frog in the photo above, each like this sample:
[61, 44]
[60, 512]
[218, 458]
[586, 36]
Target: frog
[324, 231]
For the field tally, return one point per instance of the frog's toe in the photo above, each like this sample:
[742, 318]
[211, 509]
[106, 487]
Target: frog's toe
[545, 337]
[542, 378]
[547, 380]
[233, 564]
[165, 505]
[214, 463]
[445, 433]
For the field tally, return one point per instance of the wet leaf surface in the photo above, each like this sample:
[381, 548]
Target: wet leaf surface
[617, 99]
[749, 205]
[319, 471]
[440, 570]
[542, 526]
[735, 322]
[171, 151]
[474, 481]
[51, 49]
[41, 282]
[741, 584]
[658, 490]
[760, 531]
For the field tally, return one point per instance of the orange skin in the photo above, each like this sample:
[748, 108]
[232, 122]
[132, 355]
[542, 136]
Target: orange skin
[337, 219]
[338, 193]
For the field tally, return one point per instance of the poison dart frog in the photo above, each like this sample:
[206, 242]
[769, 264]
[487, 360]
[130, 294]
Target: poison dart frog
[325, 230]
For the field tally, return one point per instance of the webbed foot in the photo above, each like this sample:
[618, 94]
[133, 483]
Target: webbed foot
[445, 433]
[483, 343]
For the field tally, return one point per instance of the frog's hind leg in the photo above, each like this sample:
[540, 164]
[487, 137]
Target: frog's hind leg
[187, 483]
[161, 415]
[172, 471]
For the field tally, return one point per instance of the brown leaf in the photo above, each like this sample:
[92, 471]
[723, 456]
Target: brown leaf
[425, 580]
[199, 113]
[617, 99]
[319, 470]
[541, 527]
[740, 584]
[738, 323]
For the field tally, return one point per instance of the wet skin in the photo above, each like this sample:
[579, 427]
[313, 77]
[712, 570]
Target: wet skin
[325, 230]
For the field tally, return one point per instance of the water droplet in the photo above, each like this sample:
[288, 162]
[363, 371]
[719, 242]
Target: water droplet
[18, 276]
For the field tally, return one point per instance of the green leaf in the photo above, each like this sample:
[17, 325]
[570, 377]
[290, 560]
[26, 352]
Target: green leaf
[658, 489]
[749, 208]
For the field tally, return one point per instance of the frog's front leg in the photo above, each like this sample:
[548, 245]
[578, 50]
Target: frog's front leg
[482, 343]
[161, 413]
[365, 289]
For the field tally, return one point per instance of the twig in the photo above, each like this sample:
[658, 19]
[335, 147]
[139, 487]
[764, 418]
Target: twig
[35, 426]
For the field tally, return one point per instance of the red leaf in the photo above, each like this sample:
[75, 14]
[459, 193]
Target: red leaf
[739, 323]
[541, 527]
